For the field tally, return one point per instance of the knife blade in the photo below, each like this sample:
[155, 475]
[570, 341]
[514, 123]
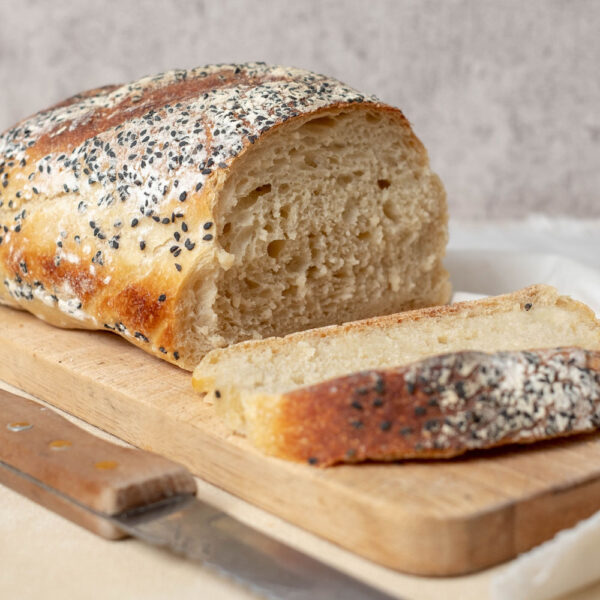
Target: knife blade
[116, 491]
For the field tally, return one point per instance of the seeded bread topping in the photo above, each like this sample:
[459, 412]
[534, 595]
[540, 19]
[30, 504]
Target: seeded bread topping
[136, 170]
[443, 406]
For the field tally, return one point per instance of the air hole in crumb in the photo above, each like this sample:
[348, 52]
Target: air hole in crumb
[358, 173]
[321, 122]
[311, 272]
[296, 264]
[227, 228]
[372, 118]
[283, 188]
[383, 183]
[284, 211]
[251, 285]
[442, 339]
[290, 291]
[310, 161]
[390, 210]
[364, 235]
[250, 199]
[343, 179]
[275, 247]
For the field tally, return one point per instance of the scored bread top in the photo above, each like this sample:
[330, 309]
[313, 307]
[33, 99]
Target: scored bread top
[106, 199]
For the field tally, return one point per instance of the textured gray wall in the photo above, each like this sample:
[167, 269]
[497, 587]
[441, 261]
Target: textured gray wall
[504, 93]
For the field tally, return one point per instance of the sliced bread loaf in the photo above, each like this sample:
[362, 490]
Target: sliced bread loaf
[426, 383]
[195, 209]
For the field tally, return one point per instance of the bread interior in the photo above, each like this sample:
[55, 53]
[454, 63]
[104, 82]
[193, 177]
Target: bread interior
[331, 219]
[520, 321]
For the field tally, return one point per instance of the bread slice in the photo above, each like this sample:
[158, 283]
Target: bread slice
[426, 383]
[194, 209]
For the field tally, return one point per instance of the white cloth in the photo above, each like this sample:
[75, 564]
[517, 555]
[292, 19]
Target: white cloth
[494, 258]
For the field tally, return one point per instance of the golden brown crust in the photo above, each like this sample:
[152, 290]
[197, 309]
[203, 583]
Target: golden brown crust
[440, 407]
[107, 200]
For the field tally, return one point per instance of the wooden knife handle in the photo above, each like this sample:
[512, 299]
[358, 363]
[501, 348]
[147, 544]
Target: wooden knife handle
[68, 470]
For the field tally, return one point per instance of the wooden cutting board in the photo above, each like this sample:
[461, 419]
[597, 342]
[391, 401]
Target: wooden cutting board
[429, 518]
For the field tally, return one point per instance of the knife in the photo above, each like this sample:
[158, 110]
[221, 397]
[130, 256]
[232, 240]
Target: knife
[115, 491]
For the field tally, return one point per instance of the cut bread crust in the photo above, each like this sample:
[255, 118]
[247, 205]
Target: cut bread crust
[195, 209]
[429, 383]
[438, 407]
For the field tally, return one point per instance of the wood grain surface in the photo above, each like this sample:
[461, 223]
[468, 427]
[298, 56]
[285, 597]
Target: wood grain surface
[430, 518]
[63, 467]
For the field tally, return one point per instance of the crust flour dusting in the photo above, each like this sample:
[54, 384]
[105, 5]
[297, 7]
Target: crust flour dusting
[119, 207]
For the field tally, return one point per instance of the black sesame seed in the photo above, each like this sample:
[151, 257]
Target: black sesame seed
[162, 297]
[208, 225]
[142, 245]
[528, 306]
[207, 237]
[357, 405]
[189, 244]
[217, 393]
[184, 226]
[176, 355]
[432, 424]
[198, 186]
[379, 385]
[177, 235]
[420, 411]
[313, 460]
[182, 196]
[385, 425]
[162, 349]
[410, 387]
[356, 424]
[134, 222]
[406, 431]
[165, 220]
[378, 402]
[178, 266]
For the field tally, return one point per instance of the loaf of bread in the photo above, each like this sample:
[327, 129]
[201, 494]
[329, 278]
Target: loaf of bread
[428, 383]
[194, 209]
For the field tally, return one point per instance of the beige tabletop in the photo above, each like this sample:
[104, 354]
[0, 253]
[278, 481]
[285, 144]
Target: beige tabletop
[44, 556]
